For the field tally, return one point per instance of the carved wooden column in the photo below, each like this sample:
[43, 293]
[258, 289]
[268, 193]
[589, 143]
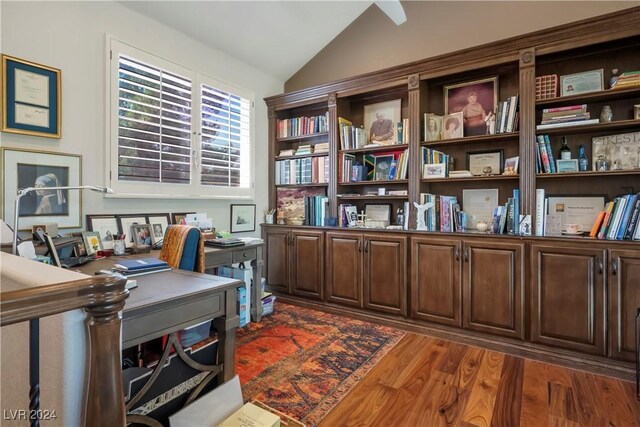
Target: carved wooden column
[332, 190]
[528, 132]
[271, 140]
[415, 172]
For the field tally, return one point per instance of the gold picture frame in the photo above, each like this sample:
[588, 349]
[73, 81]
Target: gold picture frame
[458, 98]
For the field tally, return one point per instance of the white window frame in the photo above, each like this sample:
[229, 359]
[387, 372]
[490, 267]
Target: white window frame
[195, 190]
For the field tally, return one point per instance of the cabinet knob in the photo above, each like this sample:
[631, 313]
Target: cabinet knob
[466, 254]
[600, 265]
[366, 245]
[359, 245]
[614, 266]
[457, 253]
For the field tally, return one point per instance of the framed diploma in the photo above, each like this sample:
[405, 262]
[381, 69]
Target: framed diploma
[485, 162]
[479, 205]
[31, 100]
[576, 84]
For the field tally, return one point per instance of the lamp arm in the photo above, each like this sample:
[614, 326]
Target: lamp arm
[24, 191]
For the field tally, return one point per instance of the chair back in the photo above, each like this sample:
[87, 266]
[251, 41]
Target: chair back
[183, 248]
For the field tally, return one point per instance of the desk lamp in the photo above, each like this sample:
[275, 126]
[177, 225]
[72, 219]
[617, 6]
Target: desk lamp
[34, 324]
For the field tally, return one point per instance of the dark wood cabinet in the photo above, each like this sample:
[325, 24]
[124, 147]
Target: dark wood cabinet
[493, 287]
[624, 301]
[385, 273]
[568, 295]
[295, 261]
[344, 268]
[435, 280]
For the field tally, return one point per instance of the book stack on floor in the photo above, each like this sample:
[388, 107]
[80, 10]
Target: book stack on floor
[140, 266]
[571, 115]
[619, 220]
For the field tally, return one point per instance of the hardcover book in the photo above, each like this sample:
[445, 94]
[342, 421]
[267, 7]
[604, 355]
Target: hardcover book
[140, 263]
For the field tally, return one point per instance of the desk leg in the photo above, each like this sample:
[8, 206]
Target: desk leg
[256, 290]
[226, 327]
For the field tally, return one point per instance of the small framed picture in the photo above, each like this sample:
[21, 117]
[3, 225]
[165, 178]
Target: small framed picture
[382, 167]
[452, 126]
[475, 100]
[106, 226]
[568, 165]
[141, 234]
[636, 112]
[485, 162]
[126, 221]
[180, 218]
[432, 127]
[159, 224]
[92, 242]
[377, 215]
[243, 218]
[511, 165]
[434, 170]
[579, 83]
[380, 120]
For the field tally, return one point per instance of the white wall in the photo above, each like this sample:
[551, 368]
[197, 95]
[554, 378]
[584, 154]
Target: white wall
[71, 36]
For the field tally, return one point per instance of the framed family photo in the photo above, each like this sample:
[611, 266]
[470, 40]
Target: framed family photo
[475, 99]
[381, 120]
[452, 126]
[31, 98]
[106, 226]
[432, 127]
[42, 169]
[243, 218]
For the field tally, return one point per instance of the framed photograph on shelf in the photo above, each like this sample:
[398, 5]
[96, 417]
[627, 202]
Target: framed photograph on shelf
[31, 101]
[92, 242]
[42, 169]
[475, 99]
[485, 162]
[180, 218]
[142, 234]
[377, 215]
[106, 226]
[382, 167]
[126, 221]
[567, 165]
[434, 170]
[432, 127]
[479, 205]
[243, 218]
[511, 165]
[381, 121]
[579, 83]
[452, 126]
[575, 210]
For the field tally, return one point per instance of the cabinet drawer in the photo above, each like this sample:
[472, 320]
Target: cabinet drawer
[244, 255]
[217, 259]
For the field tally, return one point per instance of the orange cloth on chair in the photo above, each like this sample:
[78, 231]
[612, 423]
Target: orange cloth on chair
[173, 245]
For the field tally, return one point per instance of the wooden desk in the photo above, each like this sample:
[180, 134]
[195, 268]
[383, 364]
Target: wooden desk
[218, 257]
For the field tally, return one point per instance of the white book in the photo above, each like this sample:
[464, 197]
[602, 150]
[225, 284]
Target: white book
[567, 124]
[540, 212]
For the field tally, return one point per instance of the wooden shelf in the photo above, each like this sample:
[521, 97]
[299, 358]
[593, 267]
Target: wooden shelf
[471, 139]
[587, 174]
[473, 178]
[598, 127]
[301, 137]
[301, 156]
[395, 181]
[378, 148]
[375, 197]
[603, 95]
[324, 184]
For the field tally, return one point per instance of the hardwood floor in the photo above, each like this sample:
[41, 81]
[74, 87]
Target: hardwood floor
[431, 382]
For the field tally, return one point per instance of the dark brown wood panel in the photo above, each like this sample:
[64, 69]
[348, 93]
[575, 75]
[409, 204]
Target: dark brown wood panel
[493, 288]
[568, 297]
[624, 301]
[344, 268]
[385, 273]
[435, 280]
[276, 258]
[307, 263]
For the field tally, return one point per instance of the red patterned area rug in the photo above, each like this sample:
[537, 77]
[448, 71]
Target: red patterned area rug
[303, 362]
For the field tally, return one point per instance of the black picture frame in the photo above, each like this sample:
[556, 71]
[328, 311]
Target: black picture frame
[106, 225]
[243, 218]
[125, 223]
[478, 160]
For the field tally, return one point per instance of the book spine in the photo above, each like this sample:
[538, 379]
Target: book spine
[626, 217]
[616, 215]
[516, 211]
[552, 162]
[606, 220]
[567, 108]
[597, 224]
[540, 212]
[566, 124]
[634, 219]
[546, 167]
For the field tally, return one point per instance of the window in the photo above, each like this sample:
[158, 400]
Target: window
[175, 132]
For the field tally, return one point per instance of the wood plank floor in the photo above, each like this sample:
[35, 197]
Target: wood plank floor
[431, 382]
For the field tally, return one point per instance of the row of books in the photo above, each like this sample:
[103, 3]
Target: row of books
[507, 218]
[434, 157]
[545, 162]
[303, 126]
[351, 136]
[308, 170]
[387, 166]
[627, 80]
[619, 220]
[402, 130]
[315, 210]
[445, 215]
[507, 115]
[571, 115]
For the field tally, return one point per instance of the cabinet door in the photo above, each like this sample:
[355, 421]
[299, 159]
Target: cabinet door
[344, 268]
[435, 280]
[385, 273]
[307, 263]
[624, 301]
[568, 297]
[276, 259]
[493, 287]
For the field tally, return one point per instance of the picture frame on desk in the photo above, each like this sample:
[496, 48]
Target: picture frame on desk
[475, 99]
[32, 99]
[243, 218]
[124, 225]
[92, 242]
[159, 224]
[177, 218]
[142, 234]
[106, 226]
[32, 168]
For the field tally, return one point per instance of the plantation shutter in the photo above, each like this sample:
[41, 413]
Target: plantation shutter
[225, 138]
[154, 123]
